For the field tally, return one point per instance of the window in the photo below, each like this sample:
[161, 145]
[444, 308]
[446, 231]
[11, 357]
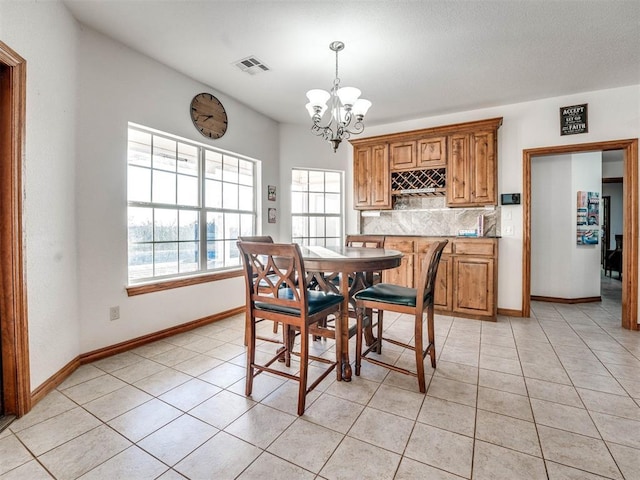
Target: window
[316, 207]
[187, 204]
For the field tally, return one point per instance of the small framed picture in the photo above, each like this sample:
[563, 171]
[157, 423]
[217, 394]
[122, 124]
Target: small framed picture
[272, 215]
[271, 193]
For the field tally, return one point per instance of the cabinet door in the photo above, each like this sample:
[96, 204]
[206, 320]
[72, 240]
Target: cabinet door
[442, 300]
[361, 168]
[402, 155]
[484, 169]
[473, 278]
[459, 157]
[432, 152]
[402, 275]
[380, 177]
[444, 290]
[371, 178]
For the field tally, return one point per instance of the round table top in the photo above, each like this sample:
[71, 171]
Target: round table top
[349, 259]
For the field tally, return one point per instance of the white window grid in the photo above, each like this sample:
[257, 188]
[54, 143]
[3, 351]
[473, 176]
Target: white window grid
[198, 201]
[317, 207]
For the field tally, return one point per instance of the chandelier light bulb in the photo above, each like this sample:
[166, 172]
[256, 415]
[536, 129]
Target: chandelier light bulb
[361, 107]
[348, 96]
[318, 97]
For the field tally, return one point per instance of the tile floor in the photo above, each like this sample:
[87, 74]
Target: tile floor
[553, 396]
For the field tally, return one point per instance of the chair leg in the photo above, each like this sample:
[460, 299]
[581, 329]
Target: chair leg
[379, 340]
[419, 351]
[250, 332]
[275, 327]
[304, 361]
[431, 334]
[359, 333]
[289, 340]
[247, 320]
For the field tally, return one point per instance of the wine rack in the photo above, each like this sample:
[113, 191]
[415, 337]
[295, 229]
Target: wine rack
[419, 183]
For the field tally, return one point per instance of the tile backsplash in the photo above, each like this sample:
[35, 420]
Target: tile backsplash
[429, 216]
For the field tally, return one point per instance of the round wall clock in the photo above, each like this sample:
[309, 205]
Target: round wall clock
[208, 115]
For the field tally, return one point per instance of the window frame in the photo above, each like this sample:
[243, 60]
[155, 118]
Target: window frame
[304, 240]
[202, 273]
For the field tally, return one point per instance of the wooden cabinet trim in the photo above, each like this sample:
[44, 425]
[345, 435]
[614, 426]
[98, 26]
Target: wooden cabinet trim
[466, 127]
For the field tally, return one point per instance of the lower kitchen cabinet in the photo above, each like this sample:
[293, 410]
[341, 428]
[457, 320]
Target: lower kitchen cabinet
[472, 278]
[466, 284]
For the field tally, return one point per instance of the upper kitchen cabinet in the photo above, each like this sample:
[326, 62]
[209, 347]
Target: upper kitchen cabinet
[472, 169]
[459, 161]
[427, 152]
[371, 177]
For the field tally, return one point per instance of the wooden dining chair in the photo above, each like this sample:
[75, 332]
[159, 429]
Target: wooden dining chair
[367, 241]
[275, 290]
[396, 298]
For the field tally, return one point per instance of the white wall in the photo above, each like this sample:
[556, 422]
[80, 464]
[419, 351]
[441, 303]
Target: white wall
[616, 205]
[586, 176]
[553, 226]
[45, 35]
[614, 169]
[118, 85]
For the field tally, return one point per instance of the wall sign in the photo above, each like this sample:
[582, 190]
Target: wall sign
[573, 119]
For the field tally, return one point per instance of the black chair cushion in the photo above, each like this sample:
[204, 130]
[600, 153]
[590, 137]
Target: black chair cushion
[318, 301]
[389, 293]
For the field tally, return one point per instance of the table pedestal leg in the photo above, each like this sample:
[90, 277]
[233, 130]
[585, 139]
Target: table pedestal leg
[345, 368]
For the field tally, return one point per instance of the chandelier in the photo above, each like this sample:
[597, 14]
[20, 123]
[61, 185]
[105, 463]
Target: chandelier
[345, 110]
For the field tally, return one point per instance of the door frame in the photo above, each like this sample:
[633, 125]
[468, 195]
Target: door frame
[629, 219]
[14, 347]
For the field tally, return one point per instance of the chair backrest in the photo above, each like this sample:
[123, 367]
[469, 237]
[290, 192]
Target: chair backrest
[366, 241]
[270, 272]
[258, 238]
[618, 242]
[427, 283]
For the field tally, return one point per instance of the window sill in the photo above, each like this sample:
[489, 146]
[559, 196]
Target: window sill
[181, 282]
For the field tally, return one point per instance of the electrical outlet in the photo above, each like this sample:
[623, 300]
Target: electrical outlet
[114, 313]
[508, 230]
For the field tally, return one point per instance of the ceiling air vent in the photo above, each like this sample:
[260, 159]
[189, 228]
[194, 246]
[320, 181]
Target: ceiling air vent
[251, 65]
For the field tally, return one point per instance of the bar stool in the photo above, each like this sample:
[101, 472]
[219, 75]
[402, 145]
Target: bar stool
[395, 298]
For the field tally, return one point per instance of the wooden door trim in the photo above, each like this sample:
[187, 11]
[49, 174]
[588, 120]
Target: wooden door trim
[13, 301]
[630, 220]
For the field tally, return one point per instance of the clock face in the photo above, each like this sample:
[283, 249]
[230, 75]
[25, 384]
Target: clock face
[208, 115]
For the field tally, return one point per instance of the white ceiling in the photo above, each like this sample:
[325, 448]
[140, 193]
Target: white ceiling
[411, 58]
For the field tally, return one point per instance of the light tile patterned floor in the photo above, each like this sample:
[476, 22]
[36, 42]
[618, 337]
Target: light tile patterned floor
[554, 396]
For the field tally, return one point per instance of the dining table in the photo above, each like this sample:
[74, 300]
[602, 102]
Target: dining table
[346, 270]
